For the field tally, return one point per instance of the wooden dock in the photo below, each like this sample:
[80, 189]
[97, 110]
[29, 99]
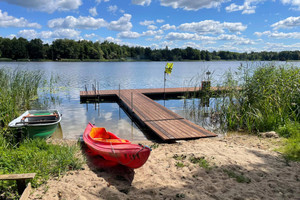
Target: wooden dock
[160, 120]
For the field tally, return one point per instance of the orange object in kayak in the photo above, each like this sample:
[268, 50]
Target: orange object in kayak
[113, 148]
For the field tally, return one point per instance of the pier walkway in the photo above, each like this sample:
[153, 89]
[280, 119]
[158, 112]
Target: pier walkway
[160, 120]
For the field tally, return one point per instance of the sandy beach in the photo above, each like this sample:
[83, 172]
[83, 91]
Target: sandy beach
[231, 167]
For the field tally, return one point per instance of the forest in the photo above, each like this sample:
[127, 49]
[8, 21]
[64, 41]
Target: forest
[20, 49]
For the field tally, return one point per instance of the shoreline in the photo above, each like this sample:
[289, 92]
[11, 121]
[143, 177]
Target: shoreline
[235, 167]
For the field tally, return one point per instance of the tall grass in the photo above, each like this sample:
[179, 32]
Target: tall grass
[18, 90]
[268, 100]
[257, 99]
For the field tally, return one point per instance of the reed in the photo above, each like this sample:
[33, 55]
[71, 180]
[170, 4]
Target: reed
[18, 91]
[269, 98]
[257, 99]
[269, 101]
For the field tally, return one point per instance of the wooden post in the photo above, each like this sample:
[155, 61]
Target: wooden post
[119, 91]
[205, 88]
[205, 85]
[20, 178]
[164, 85]
[131, 101]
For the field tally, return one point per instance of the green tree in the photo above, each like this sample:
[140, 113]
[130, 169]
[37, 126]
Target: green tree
[35, 49]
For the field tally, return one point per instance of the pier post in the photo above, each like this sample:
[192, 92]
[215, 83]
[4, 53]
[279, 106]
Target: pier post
[131, 101]
[119, 91]
[205, 85]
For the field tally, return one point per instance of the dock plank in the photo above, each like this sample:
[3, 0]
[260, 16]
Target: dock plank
[162, 121]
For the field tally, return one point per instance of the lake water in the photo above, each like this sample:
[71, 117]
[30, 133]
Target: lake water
[74, 76]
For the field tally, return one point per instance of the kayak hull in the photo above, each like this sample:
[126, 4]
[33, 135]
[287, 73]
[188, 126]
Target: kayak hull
[127, 154]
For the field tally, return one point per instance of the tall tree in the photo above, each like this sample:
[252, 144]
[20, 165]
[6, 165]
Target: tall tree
[35, 49]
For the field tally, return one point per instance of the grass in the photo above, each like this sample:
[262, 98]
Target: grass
[36, 156]
[268, 100]
[200, 161]
[238, 177]
[179, 165]
[18, 91]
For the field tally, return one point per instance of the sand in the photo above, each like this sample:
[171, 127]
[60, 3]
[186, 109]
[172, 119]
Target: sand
[235, 167]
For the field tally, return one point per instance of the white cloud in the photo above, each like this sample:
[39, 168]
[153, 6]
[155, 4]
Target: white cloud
[279, 35]
[244, 41]
[259, 34]
[157, 37]
[192, 44]
[187, 36]
[129, 35]
[234, 27]
[228, 37]
[141, 2]
[10, 21]
[295, 3]
[247, 7]
[281, 47]
[192, 4]
[289, 22]
[152, 27]
[147, 23]
[160, 21]
[112, 9]
[114, 40]
[151, 33]
[168, 27]
[59, 33]
[123, 24]
[47, 5]
[89, 36]
[80, 23]
[28, 34]
[212, 27]
[99, 1]
[93, 11]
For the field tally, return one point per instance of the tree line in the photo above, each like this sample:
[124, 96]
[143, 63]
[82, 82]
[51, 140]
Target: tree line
[35, 49]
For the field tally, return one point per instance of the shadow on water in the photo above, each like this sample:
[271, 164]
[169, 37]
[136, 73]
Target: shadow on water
[58, 133]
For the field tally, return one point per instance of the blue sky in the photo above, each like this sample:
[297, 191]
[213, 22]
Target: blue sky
[241, 26]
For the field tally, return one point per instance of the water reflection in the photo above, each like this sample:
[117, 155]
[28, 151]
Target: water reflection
[199, 111]
[115, 120]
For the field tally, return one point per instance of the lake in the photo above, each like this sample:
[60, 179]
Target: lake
[74, 76]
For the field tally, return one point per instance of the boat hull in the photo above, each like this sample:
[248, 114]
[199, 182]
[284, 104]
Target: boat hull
[127, 154]
[37, 123]
[40, 131]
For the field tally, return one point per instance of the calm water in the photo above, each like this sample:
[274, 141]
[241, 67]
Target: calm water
[129, 75]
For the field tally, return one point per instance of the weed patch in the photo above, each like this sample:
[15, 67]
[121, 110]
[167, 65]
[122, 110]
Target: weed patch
[238, 177]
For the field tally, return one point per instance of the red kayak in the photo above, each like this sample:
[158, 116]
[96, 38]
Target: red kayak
[113, 148]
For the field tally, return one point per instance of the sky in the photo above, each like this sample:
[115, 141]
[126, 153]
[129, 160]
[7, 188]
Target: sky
[213, 25]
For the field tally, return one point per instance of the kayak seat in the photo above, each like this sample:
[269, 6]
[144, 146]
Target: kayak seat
[100, 134]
